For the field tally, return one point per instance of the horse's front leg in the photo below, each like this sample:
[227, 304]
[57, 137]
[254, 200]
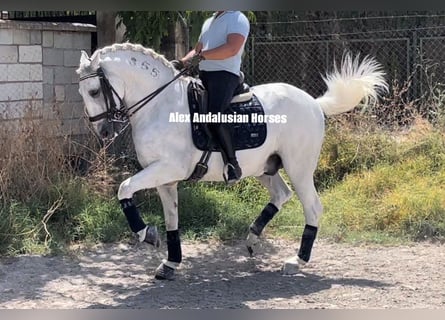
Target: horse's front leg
[169, 197]
[156, 174]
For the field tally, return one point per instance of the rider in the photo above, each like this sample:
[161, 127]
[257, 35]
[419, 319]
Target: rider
[219, 49]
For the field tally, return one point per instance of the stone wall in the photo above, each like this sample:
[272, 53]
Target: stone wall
[37, 73]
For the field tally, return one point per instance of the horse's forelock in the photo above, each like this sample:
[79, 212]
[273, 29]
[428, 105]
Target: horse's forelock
[84, 69]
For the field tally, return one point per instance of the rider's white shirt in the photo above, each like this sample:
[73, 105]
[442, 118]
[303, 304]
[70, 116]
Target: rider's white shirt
[214, 34]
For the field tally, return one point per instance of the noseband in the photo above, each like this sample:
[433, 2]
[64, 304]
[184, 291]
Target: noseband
[123, 113]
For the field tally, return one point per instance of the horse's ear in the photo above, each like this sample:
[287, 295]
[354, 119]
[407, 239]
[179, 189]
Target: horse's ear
[84, 58]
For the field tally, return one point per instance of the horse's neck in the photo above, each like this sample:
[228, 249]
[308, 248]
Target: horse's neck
[172, 99]
[142, 75]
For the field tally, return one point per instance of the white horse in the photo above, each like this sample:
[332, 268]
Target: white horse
[117, 78]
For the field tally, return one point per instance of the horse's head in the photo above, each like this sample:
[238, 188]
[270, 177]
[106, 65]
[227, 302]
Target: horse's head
[101, 98]
[114, 80]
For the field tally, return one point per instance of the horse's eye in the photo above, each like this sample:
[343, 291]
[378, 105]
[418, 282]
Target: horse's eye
[94, 92]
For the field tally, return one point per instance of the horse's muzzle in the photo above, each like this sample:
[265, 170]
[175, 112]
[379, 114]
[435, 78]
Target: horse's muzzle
[105, 130]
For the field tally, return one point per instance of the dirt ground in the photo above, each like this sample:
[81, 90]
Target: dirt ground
[214, 275]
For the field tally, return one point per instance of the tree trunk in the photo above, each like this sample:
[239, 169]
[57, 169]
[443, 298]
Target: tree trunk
[168, 42]
[106, 28]
[182, 39]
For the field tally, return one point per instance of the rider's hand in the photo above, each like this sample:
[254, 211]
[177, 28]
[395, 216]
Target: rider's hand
[177, 64]
[194, 61]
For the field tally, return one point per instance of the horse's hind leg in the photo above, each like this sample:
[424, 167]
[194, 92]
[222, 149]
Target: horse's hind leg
[279, 194]
[169, 198]
[313, 209]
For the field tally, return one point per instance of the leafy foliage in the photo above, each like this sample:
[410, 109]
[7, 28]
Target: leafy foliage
[147, 27]
[151, 28]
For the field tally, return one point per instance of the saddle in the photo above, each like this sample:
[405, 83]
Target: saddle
[245, 111]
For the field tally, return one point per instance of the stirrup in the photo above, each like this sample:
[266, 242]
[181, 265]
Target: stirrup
[236, 174]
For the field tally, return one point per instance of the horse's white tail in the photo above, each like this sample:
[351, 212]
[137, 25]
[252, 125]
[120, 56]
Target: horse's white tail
[354, 82]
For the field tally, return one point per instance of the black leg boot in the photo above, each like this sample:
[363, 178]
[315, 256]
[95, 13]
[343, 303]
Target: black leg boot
[225, 139]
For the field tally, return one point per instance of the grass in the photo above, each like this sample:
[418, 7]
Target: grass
[398, 199]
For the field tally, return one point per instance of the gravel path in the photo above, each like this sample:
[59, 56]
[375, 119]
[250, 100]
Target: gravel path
[214, 275]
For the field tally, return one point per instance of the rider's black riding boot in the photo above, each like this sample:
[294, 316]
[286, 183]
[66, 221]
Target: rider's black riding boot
[225, 139]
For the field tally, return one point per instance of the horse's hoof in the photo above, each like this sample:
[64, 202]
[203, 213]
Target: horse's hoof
[152, 236]
[252, 242]
[164, 272]
[293, 265]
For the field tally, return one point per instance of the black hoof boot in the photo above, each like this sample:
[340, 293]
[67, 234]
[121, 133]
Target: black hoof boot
[152, 236]
[164, 272]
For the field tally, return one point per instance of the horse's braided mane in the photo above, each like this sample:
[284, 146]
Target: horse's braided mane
[125, 47]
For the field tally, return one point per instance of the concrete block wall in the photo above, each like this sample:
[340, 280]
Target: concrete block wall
[37, 72]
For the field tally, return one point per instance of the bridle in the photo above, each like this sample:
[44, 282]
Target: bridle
[123, 113]
[112, 113]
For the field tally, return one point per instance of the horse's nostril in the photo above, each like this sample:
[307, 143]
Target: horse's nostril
[104, 131]
[105, 134]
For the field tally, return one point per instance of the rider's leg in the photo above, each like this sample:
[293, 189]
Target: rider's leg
[220, 86]
[224, 135]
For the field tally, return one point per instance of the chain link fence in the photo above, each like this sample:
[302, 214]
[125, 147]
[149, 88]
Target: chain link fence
[412, 57]
[408, 56]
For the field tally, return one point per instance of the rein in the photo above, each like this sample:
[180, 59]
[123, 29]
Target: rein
[123, 113]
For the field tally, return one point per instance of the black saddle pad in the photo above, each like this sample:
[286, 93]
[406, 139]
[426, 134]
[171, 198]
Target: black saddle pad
[248, 129]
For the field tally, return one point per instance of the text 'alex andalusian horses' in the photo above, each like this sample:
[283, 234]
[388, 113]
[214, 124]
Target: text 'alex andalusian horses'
[114, 84]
